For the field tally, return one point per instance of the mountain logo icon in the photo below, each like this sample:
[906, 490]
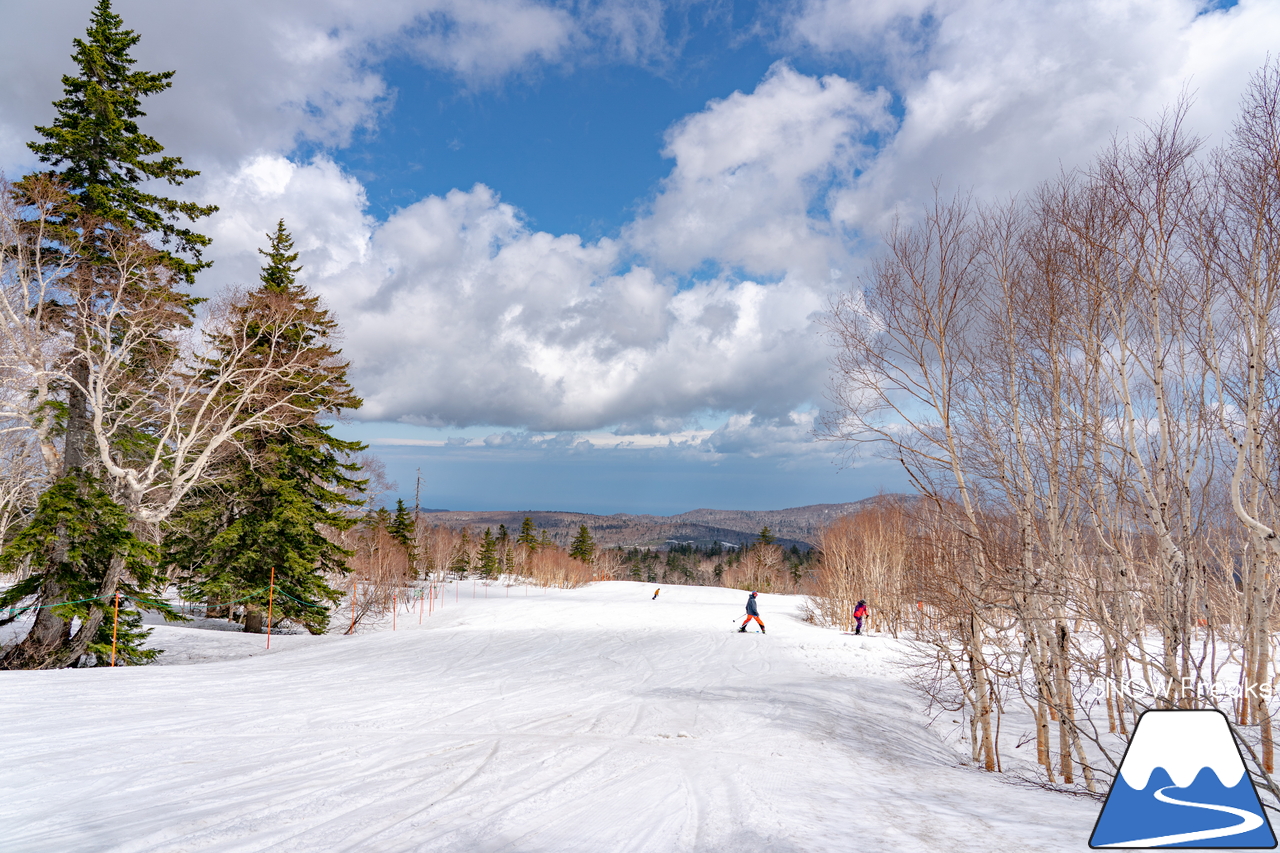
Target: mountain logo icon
[1182, 783]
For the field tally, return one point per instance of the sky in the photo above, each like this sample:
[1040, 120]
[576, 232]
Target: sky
[581, 250]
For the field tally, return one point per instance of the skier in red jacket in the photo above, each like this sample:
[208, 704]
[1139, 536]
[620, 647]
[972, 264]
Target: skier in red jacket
[859, 613]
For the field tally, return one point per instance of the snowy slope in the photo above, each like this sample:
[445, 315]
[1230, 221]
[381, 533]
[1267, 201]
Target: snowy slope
[572, 720]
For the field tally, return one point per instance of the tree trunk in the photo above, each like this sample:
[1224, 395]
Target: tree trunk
[48, 633]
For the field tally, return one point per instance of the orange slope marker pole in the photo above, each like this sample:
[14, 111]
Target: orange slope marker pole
[271, 598]
[114, 629]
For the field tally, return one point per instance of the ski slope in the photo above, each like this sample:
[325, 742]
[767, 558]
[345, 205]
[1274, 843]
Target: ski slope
[566, 720]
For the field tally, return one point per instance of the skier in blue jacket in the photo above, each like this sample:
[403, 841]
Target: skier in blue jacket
[752, 613]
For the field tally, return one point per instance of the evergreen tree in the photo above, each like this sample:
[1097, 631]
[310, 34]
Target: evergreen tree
[402, 530]
[288, 484]
[81, 536]
[462, 556]
[545, 541]
[527, 537]
[583, 547]
[766, 536]
[488, 556]
[99, 156]
[97, 150]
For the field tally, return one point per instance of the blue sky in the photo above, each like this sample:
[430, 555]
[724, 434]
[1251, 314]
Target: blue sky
[581, 249]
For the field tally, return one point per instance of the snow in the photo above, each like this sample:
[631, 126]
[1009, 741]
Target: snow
[1183, 743]
[592, 720]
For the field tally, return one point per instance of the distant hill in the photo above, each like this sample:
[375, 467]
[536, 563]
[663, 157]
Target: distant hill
[795, 526]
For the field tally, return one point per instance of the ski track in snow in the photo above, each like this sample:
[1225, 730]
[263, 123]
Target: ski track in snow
[573, 720]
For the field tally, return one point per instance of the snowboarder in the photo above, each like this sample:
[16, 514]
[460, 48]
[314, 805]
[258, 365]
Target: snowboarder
[859, 613]
[655, 594]
[752, 613]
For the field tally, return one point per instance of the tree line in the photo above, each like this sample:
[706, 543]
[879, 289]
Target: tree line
[152, 438]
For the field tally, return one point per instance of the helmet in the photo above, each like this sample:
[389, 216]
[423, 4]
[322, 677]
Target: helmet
[753, 593]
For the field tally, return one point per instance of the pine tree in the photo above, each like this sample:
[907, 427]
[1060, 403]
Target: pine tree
[488, 556]
[288, 484]
[527, 537]
[462, 556]
[766, 537]
[80, 535]
[98, 155]
[402, 530]
[583, 547]
[97, 150]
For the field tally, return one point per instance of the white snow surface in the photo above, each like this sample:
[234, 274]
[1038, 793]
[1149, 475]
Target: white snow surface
[592, 720]
[1183, 743]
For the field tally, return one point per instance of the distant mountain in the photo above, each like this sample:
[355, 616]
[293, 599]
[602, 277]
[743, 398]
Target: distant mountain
[795, 526]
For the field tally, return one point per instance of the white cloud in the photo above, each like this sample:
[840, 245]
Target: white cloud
[455, 312]
[751, 168]
[998, 96]
[322, 206]
[471, 318]
[265, 75]
[482, 40]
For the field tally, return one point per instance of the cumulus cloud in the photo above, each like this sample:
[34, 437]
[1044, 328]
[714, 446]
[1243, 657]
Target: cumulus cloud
[457, 313]
[998, 96]
[750, 170]
[265, 75]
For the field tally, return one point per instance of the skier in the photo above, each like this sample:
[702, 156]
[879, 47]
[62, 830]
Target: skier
[655, 594]
[752, 613]
[859, 613]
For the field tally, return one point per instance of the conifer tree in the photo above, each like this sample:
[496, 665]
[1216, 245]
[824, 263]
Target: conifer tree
[77, 531]
[488, 556]
[766, 536]
[99, 156]
[502, 549]
[99, 153]
[583, 547]
[402, 530]
[527, 537]
[289, 484]
[462, 556]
